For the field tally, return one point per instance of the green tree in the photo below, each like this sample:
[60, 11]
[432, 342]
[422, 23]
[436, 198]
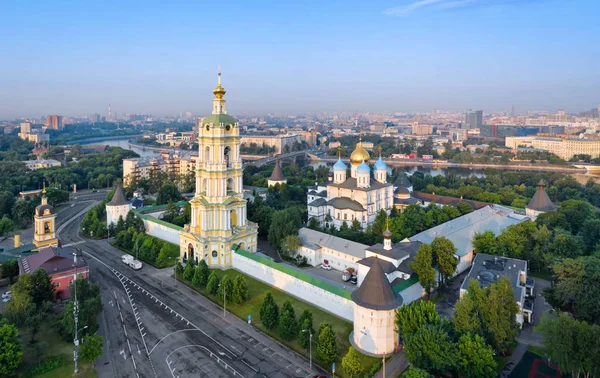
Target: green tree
[21, 213]
[10, 350]
[196, 277]
[409, 319]
[188, 272]
[7, 201]
[475, 359]
[326, 351]
[269, 312]
[212, 285]
[485, 242]
[225, 291]
[464, 207]
[415, 372]
[422, 265]
[204, 272]
[90, 305]
[10, 269]
[351, 362]
[178, 269]
[443, 257]
[288, 326]
[574, 345]
[42, 289]
[168, 192]
[576, 212]
[284, 222]
[290, 245]
[91, 347]
[56, 196]
[6, 225]
[430, 348]
[240, 290]
[304, 333]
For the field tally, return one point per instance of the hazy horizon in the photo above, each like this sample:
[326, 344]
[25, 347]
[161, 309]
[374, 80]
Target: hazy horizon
[400, 56]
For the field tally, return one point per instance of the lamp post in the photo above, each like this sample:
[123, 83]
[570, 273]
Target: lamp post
[383, 361]
[309, 345]
[75, 314]
[224, 301]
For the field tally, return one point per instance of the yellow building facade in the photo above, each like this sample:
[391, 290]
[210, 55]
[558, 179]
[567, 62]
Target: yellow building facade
[218, 220]
[44, 220]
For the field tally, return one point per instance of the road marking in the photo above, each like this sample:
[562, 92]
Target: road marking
[125, 330]
[138, 348]
[211, 354]
[129, 345]
[118, 306]
[123, 353]
[121, 317]
[74, 243]
[134, 365]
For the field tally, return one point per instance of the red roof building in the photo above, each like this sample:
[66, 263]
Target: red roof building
[59, 264]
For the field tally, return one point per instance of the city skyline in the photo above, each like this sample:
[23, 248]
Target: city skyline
[394, 56]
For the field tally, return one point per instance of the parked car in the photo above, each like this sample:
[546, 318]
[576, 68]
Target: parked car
[127, 259]
[7, 294]
[348, 273]
[353, 280]
[326, 266]
[136, 264]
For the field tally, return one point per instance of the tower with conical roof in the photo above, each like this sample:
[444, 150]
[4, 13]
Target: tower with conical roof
[277, 176]
[118, 207]
[218, 220]
[540, 202]
[375, 305]
[44, 222]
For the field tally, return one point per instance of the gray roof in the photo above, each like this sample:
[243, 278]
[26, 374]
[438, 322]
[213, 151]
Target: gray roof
[403, 180]
[345, 203]
[39, 209]
[406, 201]
[315, 239]
[52, 260]
[118, 198]
[375, 292]
[387, 266]
[461, 230]
[487, 269]
[540, 200]
[318, 202]
[350, 183]
[398, 251]
[277, 175]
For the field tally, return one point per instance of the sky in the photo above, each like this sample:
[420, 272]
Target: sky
[161, 57]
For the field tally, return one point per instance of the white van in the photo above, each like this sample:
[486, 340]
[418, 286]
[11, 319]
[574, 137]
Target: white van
[127, 259]
[135, 265]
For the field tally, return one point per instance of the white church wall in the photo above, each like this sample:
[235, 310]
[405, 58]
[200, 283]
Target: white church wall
[161, 229]
[310, 293]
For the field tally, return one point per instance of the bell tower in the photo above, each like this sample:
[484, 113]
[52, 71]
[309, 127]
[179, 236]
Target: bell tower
[218, 220]
[44, 220]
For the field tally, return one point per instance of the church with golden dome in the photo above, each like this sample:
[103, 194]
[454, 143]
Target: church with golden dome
[359, 197]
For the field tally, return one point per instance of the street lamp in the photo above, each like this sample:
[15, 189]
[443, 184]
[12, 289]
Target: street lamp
[309, 345]
[76, 315]
[224, 302]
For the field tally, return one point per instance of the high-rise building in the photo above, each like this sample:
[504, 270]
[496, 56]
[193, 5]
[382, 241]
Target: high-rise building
[474, 119]
[54, 122]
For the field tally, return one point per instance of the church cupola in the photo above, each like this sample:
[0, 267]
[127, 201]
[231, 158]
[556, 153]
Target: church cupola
[219, 101]
[339, 169]
[358, 156]
[363, 175]
[380, 171]
[387, 237]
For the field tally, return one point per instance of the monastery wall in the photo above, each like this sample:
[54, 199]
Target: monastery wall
[160, 229]
[301, 285]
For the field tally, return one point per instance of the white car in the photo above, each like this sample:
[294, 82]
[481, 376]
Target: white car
[326, 266]
[6, 295]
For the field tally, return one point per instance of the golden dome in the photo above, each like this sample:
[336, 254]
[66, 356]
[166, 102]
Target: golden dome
[219, 91]
[359, 154]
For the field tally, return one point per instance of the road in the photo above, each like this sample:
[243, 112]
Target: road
[156, 327]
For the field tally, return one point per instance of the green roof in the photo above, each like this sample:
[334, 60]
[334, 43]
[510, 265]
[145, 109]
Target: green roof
[295, 273]
[217, 119]
[405, 284]
[152, 219]
[149, 209]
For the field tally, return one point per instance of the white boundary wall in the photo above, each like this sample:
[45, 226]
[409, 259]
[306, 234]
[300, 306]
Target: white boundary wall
[162, 232]
[339, 306]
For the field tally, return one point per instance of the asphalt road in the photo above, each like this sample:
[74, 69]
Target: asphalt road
[156, 327]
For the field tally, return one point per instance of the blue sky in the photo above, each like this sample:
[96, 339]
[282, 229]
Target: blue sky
[157, 57]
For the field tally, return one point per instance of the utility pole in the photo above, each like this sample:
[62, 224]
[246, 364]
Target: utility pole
[76, 313]
[224, 301]
[383, 360]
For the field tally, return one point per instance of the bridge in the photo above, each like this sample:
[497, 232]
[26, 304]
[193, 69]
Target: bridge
[311, 154]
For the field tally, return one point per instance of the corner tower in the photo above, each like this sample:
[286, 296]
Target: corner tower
[218, 220]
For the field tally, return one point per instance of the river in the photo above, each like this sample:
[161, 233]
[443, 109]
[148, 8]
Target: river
[582, 178]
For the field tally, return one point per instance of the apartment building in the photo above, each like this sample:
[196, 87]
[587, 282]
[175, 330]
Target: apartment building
[562, 147]
[277, 141]
[172, 164]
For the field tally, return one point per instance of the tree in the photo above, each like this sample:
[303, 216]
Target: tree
[6, 225]
[204, 272]
[443, 256]
[475, 359]
[576, 212]
[485, 242]
[178, 269]
[90, 305]
[574, 345]
[188, 272]
[21, 213]
[269, 312]
[288, 326]
[225, 291]
[42, 289]
[196, 277]
[168, 192]
[409, 319]
[290, 245]
[304, 332]
[326, 344]
[240, 290]
[7, 201]
[422, 265]
[10, 350]
[284, 222]
[415, 372]
[430, 348]
[91, 347]
[56, 196]
[10, 269]
[590, 231]
[212, 285]
[351, 362]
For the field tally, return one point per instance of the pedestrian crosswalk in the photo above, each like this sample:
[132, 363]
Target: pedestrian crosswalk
[74, 243]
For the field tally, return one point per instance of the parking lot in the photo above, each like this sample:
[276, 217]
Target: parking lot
[334, 276]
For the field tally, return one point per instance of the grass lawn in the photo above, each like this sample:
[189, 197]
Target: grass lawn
[258, 290]
[49, 343]
[537, 350]
[500, 362]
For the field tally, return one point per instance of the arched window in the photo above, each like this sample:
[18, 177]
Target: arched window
[191, 252]
[230, 185]
[233, 218]
[207, 154]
